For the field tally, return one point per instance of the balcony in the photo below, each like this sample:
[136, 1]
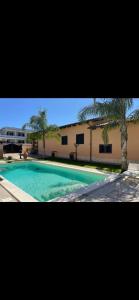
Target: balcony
[5, 136]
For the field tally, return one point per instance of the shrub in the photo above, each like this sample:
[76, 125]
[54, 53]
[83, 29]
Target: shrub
[9, 158]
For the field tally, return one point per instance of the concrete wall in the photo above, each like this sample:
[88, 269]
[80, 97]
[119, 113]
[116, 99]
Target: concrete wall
[63, 151]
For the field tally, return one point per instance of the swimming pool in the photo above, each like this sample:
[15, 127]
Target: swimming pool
[46, 182]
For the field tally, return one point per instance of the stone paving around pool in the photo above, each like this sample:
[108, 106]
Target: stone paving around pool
[125, 189]
[5, 196]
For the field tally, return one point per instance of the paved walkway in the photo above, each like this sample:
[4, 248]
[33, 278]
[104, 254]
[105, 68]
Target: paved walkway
[125, 189]
[5, 196]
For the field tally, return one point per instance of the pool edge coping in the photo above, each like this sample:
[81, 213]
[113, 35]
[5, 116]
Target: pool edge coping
[15, 191]
[85, 169]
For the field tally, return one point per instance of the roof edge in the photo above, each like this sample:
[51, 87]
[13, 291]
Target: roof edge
[82, 122]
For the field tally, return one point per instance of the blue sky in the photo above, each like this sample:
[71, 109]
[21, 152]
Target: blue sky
[16, 112]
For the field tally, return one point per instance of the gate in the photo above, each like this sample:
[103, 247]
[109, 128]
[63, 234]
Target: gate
[12, 148]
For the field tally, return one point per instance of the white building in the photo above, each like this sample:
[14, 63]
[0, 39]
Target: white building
[12, 138]
[13, 135]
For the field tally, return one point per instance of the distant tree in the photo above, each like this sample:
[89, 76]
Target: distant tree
[40, 128]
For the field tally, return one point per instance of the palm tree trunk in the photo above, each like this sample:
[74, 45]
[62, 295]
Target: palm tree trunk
[124, 139]
[44, 144]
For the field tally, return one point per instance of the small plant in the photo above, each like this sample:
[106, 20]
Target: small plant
[9, 158]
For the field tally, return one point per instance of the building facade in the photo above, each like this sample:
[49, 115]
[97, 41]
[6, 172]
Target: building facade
[13, 135]
[13, 138]
[83, 141]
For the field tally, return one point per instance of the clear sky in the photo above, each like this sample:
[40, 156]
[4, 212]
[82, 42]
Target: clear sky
[16, 112]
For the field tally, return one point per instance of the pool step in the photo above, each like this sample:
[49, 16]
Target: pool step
[61, 191]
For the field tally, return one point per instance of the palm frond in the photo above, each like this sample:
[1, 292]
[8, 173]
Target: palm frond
[110, 109]
[53, 132]
[33, 136]
[105, 136]
[24, 126]
[134, 116]
[128, 103]
[85, 112]
[103, 110]
[106, 128]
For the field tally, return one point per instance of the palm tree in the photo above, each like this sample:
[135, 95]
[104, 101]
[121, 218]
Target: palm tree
[116, 112]
[41, 129]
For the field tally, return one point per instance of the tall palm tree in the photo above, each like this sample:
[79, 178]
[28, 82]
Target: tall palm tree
[116, 112]
[41, 129]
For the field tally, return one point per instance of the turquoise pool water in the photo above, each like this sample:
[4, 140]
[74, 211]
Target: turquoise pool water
[45, 182]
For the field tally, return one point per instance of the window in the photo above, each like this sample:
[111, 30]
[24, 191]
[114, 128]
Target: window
[10, 133]
[64, 140]
[105, 148]
[20, 134]
[79, 139]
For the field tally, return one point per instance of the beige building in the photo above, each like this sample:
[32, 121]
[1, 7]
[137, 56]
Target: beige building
[84, 142]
